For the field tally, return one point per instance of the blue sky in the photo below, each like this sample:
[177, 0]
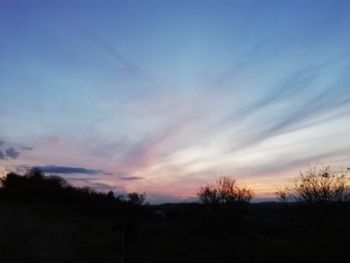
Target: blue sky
[164, 96]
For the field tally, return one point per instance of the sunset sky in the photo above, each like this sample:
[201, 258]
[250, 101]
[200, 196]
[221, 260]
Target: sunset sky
[164, 96]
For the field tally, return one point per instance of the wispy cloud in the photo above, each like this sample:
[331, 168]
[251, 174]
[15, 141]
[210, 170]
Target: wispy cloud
[68, 170]
[130, 178]
[11, 153]
[26, 148]
[106, 46]
[8, 152]
[282, 165]
[97, 184]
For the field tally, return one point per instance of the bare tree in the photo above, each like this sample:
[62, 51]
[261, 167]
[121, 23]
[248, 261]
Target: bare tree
[320, 186]
[225, 190]
[209, 195]
[316, 186]
[136, 198]
[284, 195]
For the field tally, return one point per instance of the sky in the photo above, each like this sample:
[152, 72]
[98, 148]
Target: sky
[165, 96]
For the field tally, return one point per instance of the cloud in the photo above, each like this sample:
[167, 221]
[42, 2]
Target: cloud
[308, 105]
[107, 173]
[11, 153]
[101, 43]
[8, 153]
[26, 148]
[281, 165]
[131, 178]
[67, 170]
[96, 184]
[102, 187]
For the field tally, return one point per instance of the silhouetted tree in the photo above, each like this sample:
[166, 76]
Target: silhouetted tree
[110, 195]
[226, 191]
[347, 194]
[284, 196]
[10, 180]
[316, 186]
[209, 195]
[35, 186]
[35, 173]
[136, 198]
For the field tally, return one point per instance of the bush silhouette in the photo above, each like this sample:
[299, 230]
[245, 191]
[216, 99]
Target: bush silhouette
[136, 198]
[225, 199]
[316, 186]
[209, 195]
[319, 186]
[225, 191]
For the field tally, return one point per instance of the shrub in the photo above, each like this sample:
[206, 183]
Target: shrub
[320, 186]
[225, 191]
[136, 198]
[283, 195]
[316, 186]
[209, 195]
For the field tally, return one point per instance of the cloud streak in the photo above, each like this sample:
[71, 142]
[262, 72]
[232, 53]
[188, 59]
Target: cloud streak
[68, 170]
[11, 153]
[87, 33]
[130, 178]
[8, 153]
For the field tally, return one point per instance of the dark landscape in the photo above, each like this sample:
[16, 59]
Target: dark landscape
[44, 219]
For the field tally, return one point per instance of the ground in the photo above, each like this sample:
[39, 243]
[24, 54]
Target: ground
[46, 232]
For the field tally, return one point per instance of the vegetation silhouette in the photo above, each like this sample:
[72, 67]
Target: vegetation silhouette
[319, 202]
[309, 224]
[136, 198]
[225, 191]
[317, 187]
[226, 202]
[35, 186]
